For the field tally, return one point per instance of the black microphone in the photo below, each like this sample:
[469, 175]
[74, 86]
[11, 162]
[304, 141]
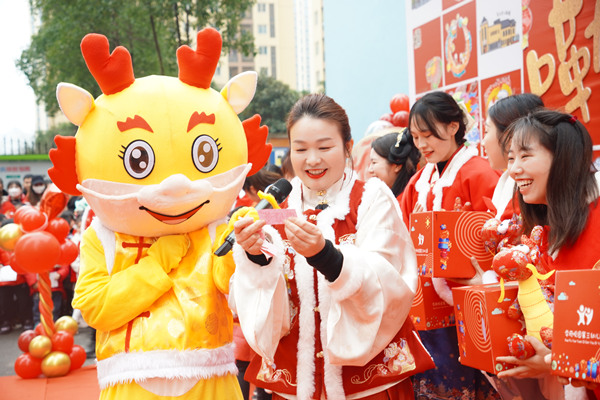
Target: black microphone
[280, 190]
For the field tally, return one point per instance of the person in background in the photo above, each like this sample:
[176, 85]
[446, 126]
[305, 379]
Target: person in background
[15, 302]
[550, 160]
[36, 190]
[15, 199]
[3, 191]
[259, 181]
[27, 183]
[394, 159]
[454, 173]
[286, 167]
[327, 312]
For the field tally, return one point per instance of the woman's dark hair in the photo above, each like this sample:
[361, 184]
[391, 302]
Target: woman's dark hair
[286, 165]
[505, 111]
[571, 183]
[14, 182]
[398, 148]
[320, 106]
[437, 107]
[263, 178]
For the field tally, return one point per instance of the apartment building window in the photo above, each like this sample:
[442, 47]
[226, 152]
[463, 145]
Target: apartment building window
[262, 29]
[261, 7]
[262, 50]
[233, 55]
[233, 71]
[272, 19]
[273, 62]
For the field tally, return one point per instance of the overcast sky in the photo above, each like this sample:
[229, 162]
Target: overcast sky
[17, 101]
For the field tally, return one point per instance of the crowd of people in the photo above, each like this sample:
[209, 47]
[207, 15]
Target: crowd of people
[19, 295]
[329, 313]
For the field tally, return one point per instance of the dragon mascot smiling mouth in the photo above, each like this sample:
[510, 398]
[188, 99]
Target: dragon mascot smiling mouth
[160, 160]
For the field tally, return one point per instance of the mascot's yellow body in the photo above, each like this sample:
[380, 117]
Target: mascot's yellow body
[160, 160]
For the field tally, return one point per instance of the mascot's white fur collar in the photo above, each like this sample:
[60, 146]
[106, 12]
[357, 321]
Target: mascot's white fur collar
[447, 179]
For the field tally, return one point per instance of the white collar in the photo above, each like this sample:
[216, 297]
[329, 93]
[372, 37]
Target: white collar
[446, 179]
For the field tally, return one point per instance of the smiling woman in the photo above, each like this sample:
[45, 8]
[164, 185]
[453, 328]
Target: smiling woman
[454, 173]
[344, 270]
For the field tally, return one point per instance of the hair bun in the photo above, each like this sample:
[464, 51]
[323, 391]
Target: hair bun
[401, 149]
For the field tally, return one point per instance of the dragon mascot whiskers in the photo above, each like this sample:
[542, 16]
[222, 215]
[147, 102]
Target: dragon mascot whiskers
[160, 160]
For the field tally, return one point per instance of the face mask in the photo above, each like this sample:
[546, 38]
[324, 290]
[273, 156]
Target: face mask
[14, 192]
[39, 189]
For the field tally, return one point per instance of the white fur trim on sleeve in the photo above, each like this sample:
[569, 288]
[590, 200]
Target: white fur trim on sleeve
[443, 290]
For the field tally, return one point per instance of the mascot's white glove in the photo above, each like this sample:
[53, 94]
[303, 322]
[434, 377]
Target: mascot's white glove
[169, 250]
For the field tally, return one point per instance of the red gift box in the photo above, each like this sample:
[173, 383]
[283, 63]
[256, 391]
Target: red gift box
[445, 241]
[428, 310]
[483, 325]
[576, 337]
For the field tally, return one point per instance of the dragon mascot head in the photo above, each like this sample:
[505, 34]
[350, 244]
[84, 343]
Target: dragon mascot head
[160, 160]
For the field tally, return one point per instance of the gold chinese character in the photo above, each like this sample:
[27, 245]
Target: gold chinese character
[534, 67]
[570, 77]
[564, 11]
[593, 29]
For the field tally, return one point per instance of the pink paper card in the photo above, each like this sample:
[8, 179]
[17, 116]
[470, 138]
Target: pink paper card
[276, 217]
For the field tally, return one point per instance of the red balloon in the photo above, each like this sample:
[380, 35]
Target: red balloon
[400, 102]
[62, 341]
[33, 220]
[28, 367]
[20, 212]
[60, 228]
[25, 338]
[53, 202]
[39, 329]
[77, 356]
[68, 253]
[37, 252]
[400, 119]
[15, 265]
[386, 117]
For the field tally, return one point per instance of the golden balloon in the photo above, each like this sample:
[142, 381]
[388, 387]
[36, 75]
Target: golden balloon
[40, 346]
[56, 364]
[9, 234]
[66, 323]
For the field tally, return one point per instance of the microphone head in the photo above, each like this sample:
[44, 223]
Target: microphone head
[279, 189]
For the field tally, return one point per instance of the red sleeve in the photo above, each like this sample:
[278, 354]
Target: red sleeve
[31, 279]
[408, 198]
[478, 180]
[63, 271]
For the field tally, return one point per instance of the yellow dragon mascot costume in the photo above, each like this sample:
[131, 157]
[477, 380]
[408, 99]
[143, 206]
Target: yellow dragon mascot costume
[160, 160]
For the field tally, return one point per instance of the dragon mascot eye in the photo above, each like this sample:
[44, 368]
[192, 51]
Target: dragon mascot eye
[160, 160]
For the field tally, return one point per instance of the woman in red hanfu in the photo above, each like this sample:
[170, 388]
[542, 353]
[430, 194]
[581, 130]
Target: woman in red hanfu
[454, 175]
[327, 314]
[551, 162]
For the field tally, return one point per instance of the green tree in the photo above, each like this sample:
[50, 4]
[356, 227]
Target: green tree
[151, 30]
[273, 101]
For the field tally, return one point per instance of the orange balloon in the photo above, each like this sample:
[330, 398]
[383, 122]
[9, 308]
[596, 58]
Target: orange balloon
[33, 220]
[37, 252]
[60, 228]
[53, 202]
[68, 253]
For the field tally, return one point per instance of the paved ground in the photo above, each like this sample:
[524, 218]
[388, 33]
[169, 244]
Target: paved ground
[9, 350]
